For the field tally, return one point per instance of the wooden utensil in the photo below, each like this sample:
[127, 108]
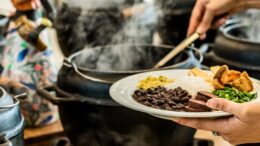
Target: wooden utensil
[185, 43]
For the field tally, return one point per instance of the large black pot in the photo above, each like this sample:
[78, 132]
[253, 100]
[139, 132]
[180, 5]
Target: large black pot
[79, 73]
[234, 48]
[89, 121]
[11, 120]
[173, 20]
[89, 115]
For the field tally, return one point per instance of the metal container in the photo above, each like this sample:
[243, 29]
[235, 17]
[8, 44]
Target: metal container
[12, 122]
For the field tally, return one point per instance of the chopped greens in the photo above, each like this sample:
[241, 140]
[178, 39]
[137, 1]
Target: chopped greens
[235, 95]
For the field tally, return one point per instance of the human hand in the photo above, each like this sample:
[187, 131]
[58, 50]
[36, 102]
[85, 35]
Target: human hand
[243, 127]
[205, 11]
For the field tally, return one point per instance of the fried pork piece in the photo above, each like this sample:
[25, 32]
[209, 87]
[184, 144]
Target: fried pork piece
[224, 76]
[220, 72]
[236, 79]
[217, 78]
[243, 83]
[217, 84]
[229, 76]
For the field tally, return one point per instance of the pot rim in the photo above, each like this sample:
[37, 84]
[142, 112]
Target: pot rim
[226, 29]
[3, 92]
[68, 61]
[15, 103]
[234, 63]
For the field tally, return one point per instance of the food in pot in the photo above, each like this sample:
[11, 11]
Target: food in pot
[151, 81]
[199, 104]
[162, 98]
[235, 95]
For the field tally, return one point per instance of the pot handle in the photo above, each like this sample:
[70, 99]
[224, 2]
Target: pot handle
[4, 140]
[23, 93]
[199, 52]
[18, 92]
[230, 22]
[207, 53]
[89, 77]
[205, 49]
[45, 93]
[68, 63]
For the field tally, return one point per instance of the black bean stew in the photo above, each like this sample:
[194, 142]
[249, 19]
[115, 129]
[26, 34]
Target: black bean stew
[161, 98]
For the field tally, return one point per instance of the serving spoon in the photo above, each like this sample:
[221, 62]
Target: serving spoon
[182, 46]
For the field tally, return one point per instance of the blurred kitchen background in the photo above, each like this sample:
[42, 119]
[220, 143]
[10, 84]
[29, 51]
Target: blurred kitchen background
[63, 44]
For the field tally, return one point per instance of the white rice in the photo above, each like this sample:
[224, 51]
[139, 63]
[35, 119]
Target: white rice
[191, 83]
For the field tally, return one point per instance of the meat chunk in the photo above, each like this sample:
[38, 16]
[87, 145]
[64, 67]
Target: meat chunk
[243, 83]
[225, 76]
[197, 104]
[229, 76]
[220, 72]
[200, 102]
[217, 84]
[204, 96]
[233, 78]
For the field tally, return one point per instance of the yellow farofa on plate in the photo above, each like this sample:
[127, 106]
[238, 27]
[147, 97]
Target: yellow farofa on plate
[152, 81]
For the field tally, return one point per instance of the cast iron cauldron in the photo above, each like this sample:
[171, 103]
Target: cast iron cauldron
[173, 20]
[11, 120]
[234, 48]
[80, 73]
[89, 115]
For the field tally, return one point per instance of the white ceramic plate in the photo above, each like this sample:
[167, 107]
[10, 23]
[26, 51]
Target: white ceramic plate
[122, 91]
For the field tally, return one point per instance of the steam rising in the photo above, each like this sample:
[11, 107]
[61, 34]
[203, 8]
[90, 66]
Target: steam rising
[100, 23]
[253, 31]
[94, 4]
[251, 25]
[133, 32]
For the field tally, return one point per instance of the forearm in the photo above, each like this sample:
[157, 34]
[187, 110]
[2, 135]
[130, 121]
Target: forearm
[249, 4]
